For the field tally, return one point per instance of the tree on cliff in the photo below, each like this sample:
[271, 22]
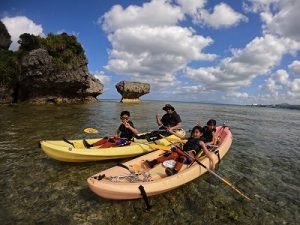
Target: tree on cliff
[28, 42]
[5, 39]
[66, 51]
[8, 59]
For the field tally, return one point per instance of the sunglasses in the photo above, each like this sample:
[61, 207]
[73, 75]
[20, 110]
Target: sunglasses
[124, 117]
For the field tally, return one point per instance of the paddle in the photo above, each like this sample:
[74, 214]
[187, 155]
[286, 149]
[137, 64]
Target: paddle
[160, 147]
[177, 140]
[220, 134]
[91, 130]
[222, 179]
[212, 172]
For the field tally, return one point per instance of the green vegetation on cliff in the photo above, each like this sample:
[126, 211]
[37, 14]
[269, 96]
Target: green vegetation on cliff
[8, 59]
[5, 39]
[8, 67]
[67, 54]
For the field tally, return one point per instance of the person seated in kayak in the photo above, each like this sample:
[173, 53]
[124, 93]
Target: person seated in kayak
[193, 146]
[209, 132]
[124, 134]
[126, 130]
[171, 120]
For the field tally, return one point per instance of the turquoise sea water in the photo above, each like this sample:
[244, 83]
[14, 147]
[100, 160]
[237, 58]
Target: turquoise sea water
[264, 162]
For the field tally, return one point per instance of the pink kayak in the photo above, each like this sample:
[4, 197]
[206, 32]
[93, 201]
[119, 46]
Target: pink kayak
[125, 181]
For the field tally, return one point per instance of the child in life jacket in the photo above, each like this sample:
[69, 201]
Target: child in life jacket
[124, 134]
[209, 131]
[193, 146]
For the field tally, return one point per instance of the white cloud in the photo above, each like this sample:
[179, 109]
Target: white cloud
[279, 17]
[295, 67]
[280, 85]
[257, 58]
[285, 22]
[64, 31]
[258, 5]
[191, 7]
[19, 25]
[221, 16]
[189, 89]
[271, 86]
[206, 75]
[294, 88]
[281, 77]
[102, 77]
[276, 83]
[152, 48]
[155, 47]
[154, 13]
[236, 94]
[156, 51]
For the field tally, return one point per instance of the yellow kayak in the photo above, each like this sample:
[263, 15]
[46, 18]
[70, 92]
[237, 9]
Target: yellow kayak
[75, 150]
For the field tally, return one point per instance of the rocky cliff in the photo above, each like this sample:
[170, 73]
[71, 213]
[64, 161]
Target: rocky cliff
[131, 91]
[40, 82]
[47, 70]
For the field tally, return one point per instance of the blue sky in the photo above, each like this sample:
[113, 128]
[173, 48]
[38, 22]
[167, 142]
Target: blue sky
[240, 52]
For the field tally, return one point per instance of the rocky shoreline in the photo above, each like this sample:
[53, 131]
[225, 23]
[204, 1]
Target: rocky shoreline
[45, 70]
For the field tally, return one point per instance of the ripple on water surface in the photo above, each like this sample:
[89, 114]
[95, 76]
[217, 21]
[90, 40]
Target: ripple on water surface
[263, 162]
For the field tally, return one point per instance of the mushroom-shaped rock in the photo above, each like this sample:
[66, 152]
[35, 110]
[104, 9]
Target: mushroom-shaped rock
[131, 91]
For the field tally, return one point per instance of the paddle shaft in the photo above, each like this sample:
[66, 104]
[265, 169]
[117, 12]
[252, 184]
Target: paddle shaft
[212, 172]
[222, 179]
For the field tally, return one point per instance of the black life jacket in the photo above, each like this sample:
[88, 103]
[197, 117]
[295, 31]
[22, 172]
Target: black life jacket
[208, 134]
[192, 144]
[125, 132]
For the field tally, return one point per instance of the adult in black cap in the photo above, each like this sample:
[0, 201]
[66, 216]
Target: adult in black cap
[171, 120]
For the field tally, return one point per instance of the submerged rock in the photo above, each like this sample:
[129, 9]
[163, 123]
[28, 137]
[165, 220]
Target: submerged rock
[41, 82]
[131, 91]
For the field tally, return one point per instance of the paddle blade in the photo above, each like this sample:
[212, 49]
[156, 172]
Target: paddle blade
[176, 140]
[91, 130]
[160, 147]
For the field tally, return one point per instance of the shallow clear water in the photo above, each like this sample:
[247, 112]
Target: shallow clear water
[264, 162]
